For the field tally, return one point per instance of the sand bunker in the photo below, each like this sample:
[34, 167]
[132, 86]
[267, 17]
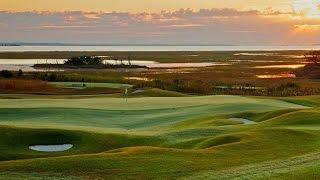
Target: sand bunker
[244, 121]
[51, 148]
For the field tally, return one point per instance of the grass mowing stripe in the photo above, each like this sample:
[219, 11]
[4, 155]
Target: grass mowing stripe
[263, 170]
[125, 119]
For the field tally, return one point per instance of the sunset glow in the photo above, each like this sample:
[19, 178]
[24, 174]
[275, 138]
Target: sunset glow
[166, 21]
[308, 8]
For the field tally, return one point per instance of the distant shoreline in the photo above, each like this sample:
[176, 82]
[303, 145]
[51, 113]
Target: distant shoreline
[10, 45]
[103, 66]
[154, 48]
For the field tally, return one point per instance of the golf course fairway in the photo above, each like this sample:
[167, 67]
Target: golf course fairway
[192, 137]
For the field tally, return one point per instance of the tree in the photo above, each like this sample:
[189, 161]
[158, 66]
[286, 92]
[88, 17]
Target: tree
[84, 60]
[313, 57]
[6, 74]
[20, 73]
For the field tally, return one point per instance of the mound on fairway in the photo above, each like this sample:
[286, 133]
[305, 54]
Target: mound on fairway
[303, 118]
[15, 142]
[158, 138]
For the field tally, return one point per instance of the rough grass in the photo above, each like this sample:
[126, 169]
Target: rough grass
[37, 87]
[19, 85]
[90, 85]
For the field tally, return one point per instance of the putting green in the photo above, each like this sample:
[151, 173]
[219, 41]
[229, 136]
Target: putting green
[134, 114]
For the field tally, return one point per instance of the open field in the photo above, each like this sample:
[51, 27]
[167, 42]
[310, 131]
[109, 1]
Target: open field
[164, 137]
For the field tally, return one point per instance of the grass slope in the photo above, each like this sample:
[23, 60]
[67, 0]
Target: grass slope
[160, 138]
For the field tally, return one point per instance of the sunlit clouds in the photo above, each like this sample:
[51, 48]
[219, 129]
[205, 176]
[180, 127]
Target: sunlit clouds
[288, 22]
[308, 8]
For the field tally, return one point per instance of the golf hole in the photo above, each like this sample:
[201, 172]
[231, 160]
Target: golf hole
[51, 148]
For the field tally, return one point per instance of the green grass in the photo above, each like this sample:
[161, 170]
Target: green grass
[15, 142]
[160, 138]
[134, 114]
[311, 101]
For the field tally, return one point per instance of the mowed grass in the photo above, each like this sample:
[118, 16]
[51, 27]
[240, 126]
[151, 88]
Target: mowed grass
[155, 92]
[160, 138]
[133, 114]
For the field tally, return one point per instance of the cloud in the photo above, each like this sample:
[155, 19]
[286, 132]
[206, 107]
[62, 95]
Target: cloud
[62, 27]
[220, 26]
[182, 26]
[307, 28]
[235, 31]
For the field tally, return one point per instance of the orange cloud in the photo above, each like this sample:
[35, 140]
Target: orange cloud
[92, 16]
[62, 26]
[221, 26]
[182, 26]
[306, 28]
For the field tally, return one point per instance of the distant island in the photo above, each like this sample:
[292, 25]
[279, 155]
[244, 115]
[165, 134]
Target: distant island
[86, 62]
[8, 44]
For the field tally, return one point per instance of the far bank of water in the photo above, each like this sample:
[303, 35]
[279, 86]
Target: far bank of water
[154, 48]
[26, 64]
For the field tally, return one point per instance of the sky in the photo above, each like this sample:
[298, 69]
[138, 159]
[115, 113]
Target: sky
[230, 22]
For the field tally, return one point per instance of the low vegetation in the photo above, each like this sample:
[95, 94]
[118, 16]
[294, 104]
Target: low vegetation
[22, 86]
[311, 70]
[86, 62]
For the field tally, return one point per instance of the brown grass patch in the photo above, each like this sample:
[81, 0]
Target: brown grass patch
[22, 86]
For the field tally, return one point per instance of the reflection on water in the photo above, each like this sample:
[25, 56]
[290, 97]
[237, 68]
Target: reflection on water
[154, 64]
[172, 71]
[254, 54]
[270, 54]
[239, 87]
[276, 76]
[138, 79]
[25, 68]
[133, 62]
[252, 60]
[26, 64]
[192, 55]
[31, 61]
[290, 66]
[186, 65]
